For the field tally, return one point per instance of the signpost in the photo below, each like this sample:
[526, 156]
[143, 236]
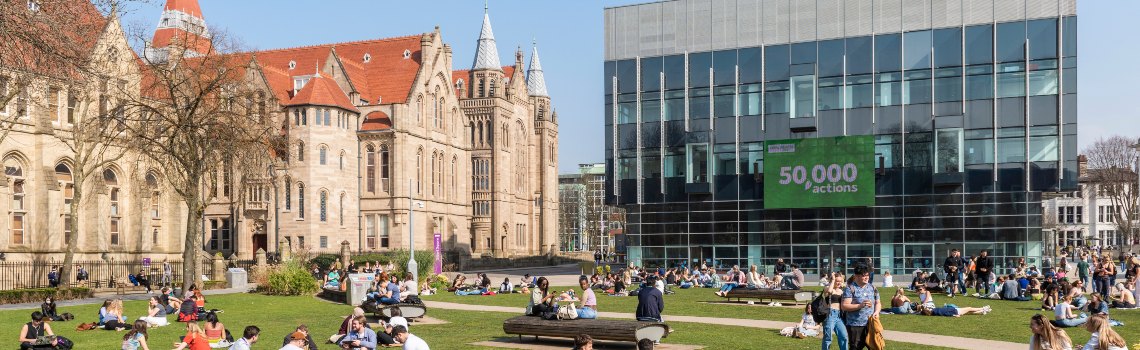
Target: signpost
[819, 173]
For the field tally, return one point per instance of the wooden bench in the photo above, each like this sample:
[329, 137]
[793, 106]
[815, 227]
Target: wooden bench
[408, 311]
[333, 295]
[122, 285]
[799, 296]
[614, 330]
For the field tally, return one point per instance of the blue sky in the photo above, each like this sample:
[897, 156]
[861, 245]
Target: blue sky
[570, 40]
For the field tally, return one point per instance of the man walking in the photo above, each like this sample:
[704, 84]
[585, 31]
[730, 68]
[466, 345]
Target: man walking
[167, 273]
[861, 302]
[982, 271]
[953, 268]
[1083, 271]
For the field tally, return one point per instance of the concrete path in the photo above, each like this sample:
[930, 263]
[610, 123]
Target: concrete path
[906, 337]
[101, 296]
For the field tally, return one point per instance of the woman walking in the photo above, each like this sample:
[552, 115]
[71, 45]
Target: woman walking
[834, 294]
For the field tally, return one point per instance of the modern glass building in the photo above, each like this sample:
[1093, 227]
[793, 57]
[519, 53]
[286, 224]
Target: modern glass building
[971, 103]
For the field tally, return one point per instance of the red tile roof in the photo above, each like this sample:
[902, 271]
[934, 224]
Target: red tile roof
[54, 41]
[322, 91]
[376, 121]
[179, 38]
[190, 7]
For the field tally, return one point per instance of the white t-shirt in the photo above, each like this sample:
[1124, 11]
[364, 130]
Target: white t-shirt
[290, 347]
[1094, 343]
[399, 321]
[415, 343]
[660, 285]
[888, 281]
[1059, 310]
[409, 288]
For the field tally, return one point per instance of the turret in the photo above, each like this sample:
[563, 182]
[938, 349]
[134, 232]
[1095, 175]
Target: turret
[181, 32]
[486, 72]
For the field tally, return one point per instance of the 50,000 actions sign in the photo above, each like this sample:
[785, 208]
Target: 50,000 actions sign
[819, 172]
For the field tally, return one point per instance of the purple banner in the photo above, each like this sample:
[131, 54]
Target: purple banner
[438, 253]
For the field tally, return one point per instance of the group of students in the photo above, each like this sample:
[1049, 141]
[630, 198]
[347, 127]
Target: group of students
[355, 333]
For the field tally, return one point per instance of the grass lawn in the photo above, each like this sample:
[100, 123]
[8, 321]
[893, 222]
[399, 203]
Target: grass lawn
[277, 316]
[1009, 320]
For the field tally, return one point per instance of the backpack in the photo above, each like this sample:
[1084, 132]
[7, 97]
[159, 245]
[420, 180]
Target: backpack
[820, 309]
[414, 300]
[63, 343]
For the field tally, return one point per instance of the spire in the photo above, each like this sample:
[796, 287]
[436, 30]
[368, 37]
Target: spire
[535, 83]
[486, 54]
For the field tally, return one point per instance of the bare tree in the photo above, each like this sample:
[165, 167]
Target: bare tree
[1110, 163]
[192, 118]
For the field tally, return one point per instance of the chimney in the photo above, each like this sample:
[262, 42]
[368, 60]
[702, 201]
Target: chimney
[1082, 166]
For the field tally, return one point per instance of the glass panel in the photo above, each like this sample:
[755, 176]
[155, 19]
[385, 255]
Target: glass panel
[1042, 35]
[803, 96]
[831, 58]
[888, 52]
[916, 88]
[888, 91]
[650, 110]
[674, 162]
[803, 53]
[674, 72]
[751, 65]
[699, 64]
[699, 103]
[1011, 145]
[724, 65]
[776, 63]
[698, 160]
[776, 97]
[1011, 42]
[979, 147]
[751, 158]
[1043, 148]
[947, 47]
[859, 92]
[1042, 77]
[627, 113]
[674, 105]
[627, 168]
[830, 93]
[725, 160]
[949, 151]
[651, 74]
[948, 85]
[859, 53]
[1011, 80]
[979, 82]
[723, 104]
[749, 99]
[1069, 39]
[918, 50]
[651, 167]
[979, 44]
[627, 76]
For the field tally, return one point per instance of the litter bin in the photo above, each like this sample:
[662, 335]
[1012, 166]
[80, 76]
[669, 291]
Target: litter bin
[237, 278]
[358, 285]
[587, 268]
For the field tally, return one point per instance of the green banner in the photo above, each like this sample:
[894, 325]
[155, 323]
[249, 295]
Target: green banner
[820, 172]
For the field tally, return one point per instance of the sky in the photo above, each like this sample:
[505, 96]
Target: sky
[569, 34]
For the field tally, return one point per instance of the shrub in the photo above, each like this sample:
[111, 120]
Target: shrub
[440, 282]
[37, 295]
[399, 258]
[290, 278]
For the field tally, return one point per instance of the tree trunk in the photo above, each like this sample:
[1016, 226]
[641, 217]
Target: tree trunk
[71, 237]
[193, 243]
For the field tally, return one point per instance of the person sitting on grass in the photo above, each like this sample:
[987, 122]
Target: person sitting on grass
[1103, 337]
[136, 338]
[924, 296]
[1050, 298]
[1127, 299]
[295, 341]
[583, 342]
[308, 342]
[32, 332]
[1077, 290]
[540, 300]
[103, 311]
[589, 309]
[1011, 290]
[156, 313]
[195, 338]
[169, 301]
[249, 337]
[360, 337]
[1063, 314]
[918, 280]
[458, 284]
[807, 327]
[113, 319]
[1046, 336]
[49, 310]
[733, 278]
[506, 287]
[410, 341]
[215, 331]
[346, 325]
[398, 319]
[952, 311]
[1097, 306]
[650, 303]
[900, 303]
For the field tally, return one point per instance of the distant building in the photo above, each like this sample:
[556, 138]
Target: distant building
[1085, 217]
[585, 221]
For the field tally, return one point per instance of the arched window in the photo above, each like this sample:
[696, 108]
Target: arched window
[370, 168]
[112, 181]
[341, 209]
[14, 169]
[300, 151]
[324, 155]
[63, 175]
[420, 110]
[385, 169]
[419, 171]
[341, 160]
[152, 185]
[300, 200]
[324, 206]
[433, 173]
[288, 194]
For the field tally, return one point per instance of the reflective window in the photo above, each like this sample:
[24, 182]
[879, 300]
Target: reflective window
[1011, 80]
[859, 53]
[979, 82]
[699, 103]
[776, 97]
[674, 105]
[1010, 42]
[650, 109]
[948, 151]
[608, 72]
[1043, 144]
[699, 66]
[830, 93]
[830, 58]
[916, 87]
[723, 102]
[698, 162]
[626, 72]
[888, 52]
[979, 44]
[1069, 39]
[1042, 35]
[1011, 145]
[627, 168]
[674, 162]
[751, 158]
[725, 156]
[724, 67]
[918, 50]
[674, 72]
[803, 96]
[750, 61]
[947, 47]
[749, 99]
[888, 89]
[979, 146]
[859, 92]
[1042, 77]
[948, 85]
[803, 53]
[627, 112]
[776, 63]
[651, 74]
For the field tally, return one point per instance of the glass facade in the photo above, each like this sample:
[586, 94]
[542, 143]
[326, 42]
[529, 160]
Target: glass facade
[971, 124]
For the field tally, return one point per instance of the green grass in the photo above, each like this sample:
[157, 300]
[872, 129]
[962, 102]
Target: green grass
[277, 316]
[1008, 322]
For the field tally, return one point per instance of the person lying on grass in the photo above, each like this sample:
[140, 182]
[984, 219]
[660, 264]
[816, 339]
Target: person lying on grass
[952, 311]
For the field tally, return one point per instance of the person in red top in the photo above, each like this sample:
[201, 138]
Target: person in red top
[195, 338]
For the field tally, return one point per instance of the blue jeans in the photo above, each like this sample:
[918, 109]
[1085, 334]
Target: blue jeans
[727, 287]
[1072, 322]
[470, 292]
[388, 301]
[648, 319]
[834, 324]
[587, 313]
[686, 285]
[904, 309]
[1080, 302]
[961, 279]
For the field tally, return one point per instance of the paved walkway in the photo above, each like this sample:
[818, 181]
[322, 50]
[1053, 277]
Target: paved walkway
[906, 337]
[101, 296]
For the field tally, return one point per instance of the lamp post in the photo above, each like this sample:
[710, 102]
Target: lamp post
[412, 266]
[1132, 238]
[272, 171]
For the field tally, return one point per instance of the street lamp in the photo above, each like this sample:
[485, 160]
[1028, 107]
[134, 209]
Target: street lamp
[272, 171]
[412, 204]
[1132, 239]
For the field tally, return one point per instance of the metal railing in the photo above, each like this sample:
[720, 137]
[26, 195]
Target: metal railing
[100, 274]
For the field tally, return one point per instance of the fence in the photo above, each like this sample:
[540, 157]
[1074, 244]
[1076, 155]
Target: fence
[34, 274]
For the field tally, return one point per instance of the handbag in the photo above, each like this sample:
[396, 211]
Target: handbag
[567, 312]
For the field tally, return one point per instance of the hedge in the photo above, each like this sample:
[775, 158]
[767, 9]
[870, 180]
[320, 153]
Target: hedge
[37, 295]
[425, 260]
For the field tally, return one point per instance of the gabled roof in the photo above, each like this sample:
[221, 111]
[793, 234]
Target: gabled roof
[322, 91]
[376, 121]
